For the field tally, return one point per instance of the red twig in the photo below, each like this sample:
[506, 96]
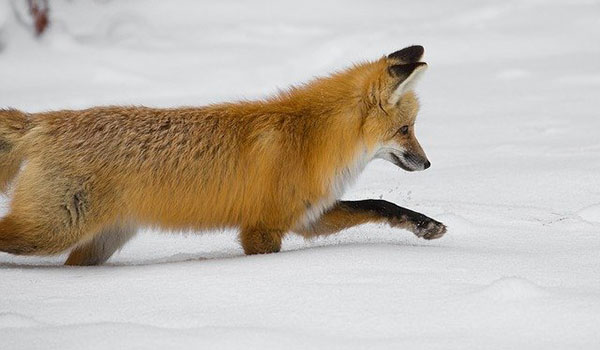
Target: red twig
[39, 11]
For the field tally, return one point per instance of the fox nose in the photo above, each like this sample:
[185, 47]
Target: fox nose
[427, 164]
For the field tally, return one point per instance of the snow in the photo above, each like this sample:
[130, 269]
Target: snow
[509, 121]
[591, 213]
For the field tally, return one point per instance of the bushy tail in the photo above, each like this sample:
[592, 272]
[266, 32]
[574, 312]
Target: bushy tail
[13, 125]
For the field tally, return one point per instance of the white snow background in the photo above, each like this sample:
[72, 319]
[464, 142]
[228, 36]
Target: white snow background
[510, 120]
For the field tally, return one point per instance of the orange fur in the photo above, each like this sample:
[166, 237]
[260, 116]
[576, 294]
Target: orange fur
[266, 167]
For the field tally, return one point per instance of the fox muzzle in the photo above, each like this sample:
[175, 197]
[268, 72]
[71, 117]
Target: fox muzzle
[410, 161]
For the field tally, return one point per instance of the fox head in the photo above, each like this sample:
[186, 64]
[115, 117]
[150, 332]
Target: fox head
[394, 107]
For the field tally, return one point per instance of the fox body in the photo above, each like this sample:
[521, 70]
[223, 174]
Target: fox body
[85, 180]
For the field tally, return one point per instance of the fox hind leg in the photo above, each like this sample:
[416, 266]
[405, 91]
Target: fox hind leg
[102, 246]
[51, 212]
[16, 237]
[21, 235]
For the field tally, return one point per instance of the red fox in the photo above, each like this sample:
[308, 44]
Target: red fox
[85, 180]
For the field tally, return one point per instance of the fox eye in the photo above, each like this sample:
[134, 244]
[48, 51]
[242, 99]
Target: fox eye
[404, 130]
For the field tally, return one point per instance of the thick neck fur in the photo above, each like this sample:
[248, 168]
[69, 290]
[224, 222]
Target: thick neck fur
[325, 117]
[324, 125]
[312, 136]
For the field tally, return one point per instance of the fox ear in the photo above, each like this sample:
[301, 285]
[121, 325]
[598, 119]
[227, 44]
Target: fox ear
[409, 54]
[404, 76]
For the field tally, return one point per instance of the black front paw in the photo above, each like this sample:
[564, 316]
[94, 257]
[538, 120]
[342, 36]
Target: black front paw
[428, 228]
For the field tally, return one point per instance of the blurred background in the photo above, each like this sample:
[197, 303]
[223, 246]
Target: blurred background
[156, 52]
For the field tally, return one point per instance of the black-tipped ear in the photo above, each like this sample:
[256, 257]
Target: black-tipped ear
[408, 54]
[406, 76]
[403, 71]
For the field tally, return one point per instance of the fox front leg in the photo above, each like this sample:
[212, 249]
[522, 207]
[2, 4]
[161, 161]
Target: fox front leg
[345, 214]
[258, 240]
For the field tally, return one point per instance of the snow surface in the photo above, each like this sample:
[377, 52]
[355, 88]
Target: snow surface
[510, 122]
